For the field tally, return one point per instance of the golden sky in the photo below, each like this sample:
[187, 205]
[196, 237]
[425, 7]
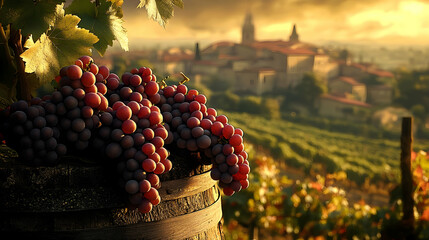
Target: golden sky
[318, 21]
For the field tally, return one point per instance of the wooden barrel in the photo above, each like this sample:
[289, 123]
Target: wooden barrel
[77, 201]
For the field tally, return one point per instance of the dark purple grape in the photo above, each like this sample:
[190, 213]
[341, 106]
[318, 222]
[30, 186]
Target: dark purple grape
[181, 143]
[143, 123]
[140, 156]
[114, 98]
[132, 186]
[61, 109]
[127, 141]
[235, 185]
[204, 141]
[167, 116]
[70, 102]
[61, 149]
[85, 135]
[65, 124]
[51, 120]
[138, 139]
[72, 136]
[220, 158]
[223, 167]
[21, 105]
[176, 113]
[198, 132]
[186, 116]
[104, 132]
[217, 149]
[78, 125]
[166, 108]
[113, 150]
[39, 122]
[50, 108]
[32, 112]
[125, 92]
[130, 153]
[116, 123]
[46, 133]
[56, 132]
[41, 110]
[39, 145]
[226, 178]
[57, 97]
[139, 175]
[233, 169]
[106, 118]
[176, 121]
[117, 135]
[191, 145]
[35, 134]
[185, 133]
[132, 164]
[215, 174]
[73, 113]
[18, 117]
[66, 90]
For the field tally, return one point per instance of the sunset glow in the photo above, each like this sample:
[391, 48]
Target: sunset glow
[381, 22]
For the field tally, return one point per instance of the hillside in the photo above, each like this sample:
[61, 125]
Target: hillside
[302, 146]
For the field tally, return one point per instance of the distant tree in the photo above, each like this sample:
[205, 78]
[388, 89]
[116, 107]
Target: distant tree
[217, 83]
[225, 100]
[412, 88]
[272, 108]
[309, 89]
[344, 55]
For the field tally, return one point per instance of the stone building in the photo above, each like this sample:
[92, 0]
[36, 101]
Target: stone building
[273, 65]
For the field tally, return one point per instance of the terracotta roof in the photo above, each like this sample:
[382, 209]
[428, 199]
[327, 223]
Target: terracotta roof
[381, 73]
[229, 57]
[345, 100]
[258, 70]
[371, 69]
[207, 63]
[282, 47]
[215, 45]
[350, 81]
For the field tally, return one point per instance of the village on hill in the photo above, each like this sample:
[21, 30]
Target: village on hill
[260, 67]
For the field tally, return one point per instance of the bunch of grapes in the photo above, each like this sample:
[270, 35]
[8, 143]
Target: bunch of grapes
[131, 122]
[199, 129]
[31, 129]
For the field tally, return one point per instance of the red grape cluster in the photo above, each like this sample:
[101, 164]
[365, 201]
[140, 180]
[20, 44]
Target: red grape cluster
[199, 129]
[131, 122]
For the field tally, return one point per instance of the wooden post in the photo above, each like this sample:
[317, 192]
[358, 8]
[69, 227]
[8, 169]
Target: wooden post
[407, 178]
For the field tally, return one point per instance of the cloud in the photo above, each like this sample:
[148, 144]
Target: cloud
[317, 20]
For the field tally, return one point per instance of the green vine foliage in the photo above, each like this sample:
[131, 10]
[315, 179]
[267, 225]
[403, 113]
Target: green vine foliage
[38, 37]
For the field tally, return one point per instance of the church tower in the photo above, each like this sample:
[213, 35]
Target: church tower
[248, 30]
[294, 37]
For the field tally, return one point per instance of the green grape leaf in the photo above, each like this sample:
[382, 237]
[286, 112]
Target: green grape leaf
[60, 46]
[32, 17]
[101, 20]
[178, 3]
[160, 10]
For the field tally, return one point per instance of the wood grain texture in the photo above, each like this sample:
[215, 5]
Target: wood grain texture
[185, 187]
